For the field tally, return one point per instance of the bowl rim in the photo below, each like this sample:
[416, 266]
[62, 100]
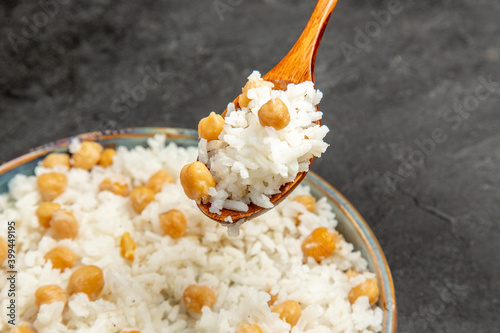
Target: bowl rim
[337, 198]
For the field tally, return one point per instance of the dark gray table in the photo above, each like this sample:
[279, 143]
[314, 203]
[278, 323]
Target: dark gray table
[411, 95]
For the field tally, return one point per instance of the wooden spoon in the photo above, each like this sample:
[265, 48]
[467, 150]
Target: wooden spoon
[296, 67]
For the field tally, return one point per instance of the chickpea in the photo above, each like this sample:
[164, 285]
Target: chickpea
[308, 201]
[243, 99]
[173, 223]
[195, 297]
[106, 158]
[86, 279]
[61, 258]
[368, 288]
[88, 155]
[53, 159]
[45, 211]
[196, 179]
[245, 328]
[64, 225]
[116, 187]
[274, 114]
[273, 297]
[4, 250]
[127, 246]
[140, 197]
[49, 294]
[210, 127]
[51, 185]
[289, 311]
[156, 181]
[319, 244]
[23, 328]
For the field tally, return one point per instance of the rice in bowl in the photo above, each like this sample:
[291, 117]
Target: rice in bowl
[146, 294]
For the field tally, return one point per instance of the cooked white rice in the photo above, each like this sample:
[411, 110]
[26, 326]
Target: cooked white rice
[146, 294]
[251, 162]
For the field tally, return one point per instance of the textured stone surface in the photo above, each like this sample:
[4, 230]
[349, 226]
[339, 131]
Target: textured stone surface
[435, 210]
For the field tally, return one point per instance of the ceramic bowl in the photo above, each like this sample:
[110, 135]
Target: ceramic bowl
[350, 223]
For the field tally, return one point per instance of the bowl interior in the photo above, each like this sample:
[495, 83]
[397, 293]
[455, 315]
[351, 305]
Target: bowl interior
[351, 224]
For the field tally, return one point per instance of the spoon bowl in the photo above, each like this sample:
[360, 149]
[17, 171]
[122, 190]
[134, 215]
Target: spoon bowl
[296, 67]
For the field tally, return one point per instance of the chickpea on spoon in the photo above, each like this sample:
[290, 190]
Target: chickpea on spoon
[261, 147]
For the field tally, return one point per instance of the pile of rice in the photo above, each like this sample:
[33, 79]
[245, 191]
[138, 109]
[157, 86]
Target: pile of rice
[250, 162]
[146, 294]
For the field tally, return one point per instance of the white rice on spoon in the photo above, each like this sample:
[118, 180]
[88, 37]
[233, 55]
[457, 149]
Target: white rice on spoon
[250, 162]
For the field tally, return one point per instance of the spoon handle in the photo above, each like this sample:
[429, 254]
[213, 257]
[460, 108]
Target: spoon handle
[298, 65]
